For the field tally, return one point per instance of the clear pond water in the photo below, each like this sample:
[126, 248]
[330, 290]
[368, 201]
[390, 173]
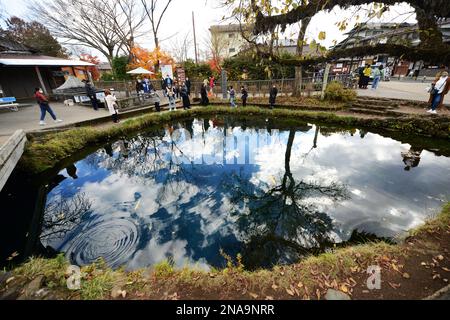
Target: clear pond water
[195, 190]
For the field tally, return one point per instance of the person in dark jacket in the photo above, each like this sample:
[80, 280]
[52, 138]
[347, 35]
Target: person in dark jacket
[204, 94]
[91, 92]
[139, 87]
[273, 96]
[188, 86]
[244, 96]
[164, 87]
[185, 97]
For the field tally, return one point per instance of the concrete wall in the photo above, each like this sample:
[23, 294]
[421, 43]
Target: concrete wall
[10, 154]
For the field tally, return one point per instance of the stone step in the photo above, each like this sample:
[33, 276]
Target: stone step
[375, 112]
[372, 107]
[385, 103]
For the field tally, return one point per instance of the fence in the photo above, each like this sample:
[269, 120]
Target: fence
[310, 84]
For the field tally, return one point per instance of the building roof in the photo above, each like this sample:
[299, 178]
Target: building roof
[9, 46]
[36, 60]
[104, 66]
[229, 28]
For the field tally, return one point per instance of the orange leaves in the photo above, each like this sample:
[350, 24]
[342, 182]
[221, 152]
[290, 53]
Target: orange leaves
[94, 60]
[144, 58]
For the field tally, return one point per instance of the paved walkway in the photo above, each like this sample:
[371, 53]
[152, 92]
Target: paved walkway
[27, 118]
[406, 90]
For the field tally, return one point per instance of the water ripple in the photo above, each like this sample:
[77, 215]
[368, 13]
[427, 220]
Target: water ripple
[114, 240]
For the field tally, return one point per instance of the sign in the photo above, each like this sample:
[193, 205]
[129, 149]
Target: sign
[167, 70]
[181, 73]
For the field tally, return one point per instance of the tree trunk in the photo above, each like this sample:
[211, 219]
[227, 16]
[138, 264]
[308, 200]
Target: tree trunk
[299, 70]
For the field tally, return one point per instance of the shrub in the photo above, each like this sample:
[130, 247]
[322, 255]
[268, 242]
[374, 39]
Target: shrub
[336, 91]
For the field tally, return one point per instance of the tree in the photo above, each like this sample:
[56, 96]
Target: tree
[34, 35]
[180, 48]
[119, 66]
[155, 16]
[149, 59]
[267, 19]
[428, 11]
[110, 27]
[95, 73]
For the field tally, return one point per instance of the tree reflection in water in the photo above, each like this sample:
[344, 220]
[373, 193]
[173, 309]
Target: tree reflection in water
[279, 224]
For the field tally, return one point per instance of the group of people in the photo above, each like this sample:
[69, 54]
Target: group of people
[377, 73]
[173, 90]
[244, 96]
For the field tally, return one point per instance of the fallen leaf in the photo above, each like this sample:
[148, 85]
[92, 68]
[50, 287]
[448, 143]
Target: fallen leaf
[344, 289]
[440, 257]
[290, 292]
[269, 298]
[395, 285]
[253, 295]
[318, 294]
[300, 285]
[406, 275]
[423, 263]
[274, 287]
[436, 276]
[9, 280]
[446, 269]
[394, 266]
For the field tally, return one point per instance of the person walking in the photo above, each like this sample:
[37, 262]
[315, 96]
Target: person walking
[188, 86]
[273, 96]
[232, 94]
[139, 87]
[185, 97]
[244, 96]
[204, 93]
[42, 101]
[91, 92]
[171, 96]
[438, 91]
[376, 73]
[111, 103]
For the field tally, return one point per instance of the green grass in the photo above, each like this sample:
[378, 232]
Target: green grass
[338, 266]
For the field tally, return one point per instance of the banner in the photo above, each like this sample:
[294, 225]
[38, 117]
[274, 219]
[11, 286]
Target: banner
[167, 70]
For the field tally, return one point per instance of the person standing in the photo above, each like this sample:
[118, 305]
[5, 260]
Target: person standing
[164, 87]
[92, 94]
[111, 103]
[232, 94]
[139, 87]
[211, 84]
[273, 96]
[438, 91]
[185, 97]
[42, 100]
[171, 96]
[387, 74]
[367, 73]
[244, 96]
[188, 86]
[204, 93]
[376, 77]
[361, 78]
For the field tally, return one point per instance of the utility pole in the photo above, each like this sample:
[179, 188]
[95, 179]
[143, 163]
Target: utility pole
[195, 38]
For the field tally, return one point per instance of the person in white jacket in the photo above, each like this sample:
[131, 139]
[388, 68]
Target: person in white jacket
[111, 102]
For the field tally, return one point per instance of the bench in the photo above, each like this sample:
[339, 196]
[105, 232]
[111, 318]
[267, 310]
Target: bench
[9, 103]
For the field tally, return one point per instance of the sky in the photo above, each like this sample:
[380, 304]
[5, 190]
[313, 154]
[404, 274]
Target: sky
[178, 22]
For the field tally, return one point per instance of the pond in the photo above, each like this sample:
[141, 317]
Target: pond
[198, 190]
